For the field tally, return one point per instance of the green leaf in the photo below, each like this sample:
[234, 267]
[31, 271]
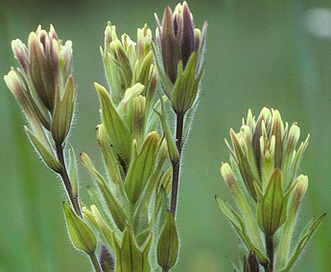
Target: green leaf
[307, 233]
[63, 111]
[272, 207]
[122, 62]
[142, 166]
[73, 170]
[297, 158]
[240, 226]
[186, 86]
[172, 149]
[243, 203]
[88, 215]
[46, 154]
[145, 206]
[111, 164]
[80, 233]
[142, 70]
[295, 195]
[102, 226]
[289, 152]
[116, 209]
[117, 130]
[136, 118]
[129, 95]
[129, 257]
[168, 244]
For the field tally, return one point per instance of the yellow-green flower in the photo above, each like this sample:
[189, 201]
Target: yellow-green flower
[264, 182]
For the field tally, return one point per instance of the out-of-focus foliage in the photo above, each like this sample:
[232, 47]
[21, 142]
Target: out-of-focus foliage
[260, 53]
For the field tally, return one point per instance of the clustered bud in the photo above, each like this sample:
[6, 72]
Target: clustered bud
[130, 210]
[180, 57]
[134, 195]
[263, 179]
[44, 88]
[44, 84]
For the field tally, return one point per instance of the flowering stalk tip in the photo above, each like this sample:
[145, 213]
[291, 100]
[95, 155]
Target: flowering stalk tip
[130, 210]
[180, 51]
[267, 189]
[44, 88]
[43, 84]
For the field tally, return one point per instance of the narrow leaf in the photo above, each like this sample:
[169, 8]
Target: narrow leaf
[304, 238]
[46, 154]
[172, 149]
[73, 170]
[117, 130]
[115, 207]
[238, 223]
[112, 166]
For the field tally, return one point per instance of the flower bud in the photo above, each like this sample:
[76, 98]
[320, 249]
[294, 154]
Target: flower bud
[144, 40]
[263, 145]
[50, 64]
[80, 233]
[46, 89]
[127, 63]
[181, 50]
[265, 161]
[168, 244]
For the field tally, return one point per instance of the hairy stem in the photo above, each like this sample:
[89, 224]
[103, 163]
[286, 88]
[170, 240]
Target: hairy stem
[95, 263]
[66, 180]
[269, 241]
[176, 165]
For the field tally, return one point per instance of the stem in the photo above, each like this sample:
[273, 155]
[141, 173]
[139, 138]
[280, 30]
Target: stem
[66, 180]
[73, 198]
[269, 241]
[176, 165]
[95, 263]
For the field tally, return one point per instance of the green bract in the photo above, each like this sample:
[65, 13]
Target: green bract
[264, 182]
[129, 204]
[45, 89]
[131, 211]
[43, 84]
[80, 233]
[168, 244]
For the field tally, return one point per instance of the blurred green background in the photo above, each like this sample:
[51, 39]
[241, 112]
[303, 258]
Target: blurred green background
[259, 53]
